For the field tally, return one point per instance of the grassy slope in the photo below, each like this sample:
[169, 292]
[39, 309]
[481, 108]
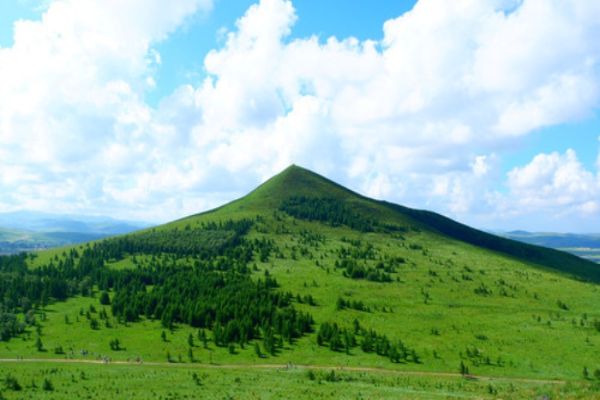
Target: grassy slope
[525, 327]
[296, 181]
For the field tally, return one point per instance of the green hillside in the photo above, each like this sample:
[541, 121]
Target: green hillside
[311, 290]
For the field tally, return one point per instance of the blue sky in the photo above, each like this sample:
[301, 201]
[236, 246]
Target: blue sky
[130, 109]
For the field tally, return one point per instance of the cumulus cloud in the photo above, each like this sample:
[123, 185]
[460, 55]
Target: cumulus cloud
[72, 118]
[423, 108]
[416, 117]
[554, 180]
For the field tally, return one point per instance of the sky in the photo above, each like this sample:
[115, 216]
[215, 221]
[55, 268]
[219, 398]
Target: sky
[487, 111]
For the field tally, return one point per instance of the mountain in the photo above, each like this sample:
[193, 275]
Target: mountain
[304, 289]
[35, 221]
[29, 230]
[582, 245]
[297, 182]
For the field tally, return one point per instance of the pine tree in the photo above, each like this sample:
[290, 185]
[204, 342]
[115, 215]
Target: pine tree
[464, 370]
[104, 298]
[38, 344]
[257, 350]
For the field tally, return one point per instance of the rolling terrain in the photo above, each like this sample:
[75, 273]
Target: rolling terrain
[32, 231]
[301, 289]
[582, 245]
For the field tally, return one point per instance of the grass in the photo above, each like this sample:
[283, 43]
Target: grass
[526, 328]
[192, 381]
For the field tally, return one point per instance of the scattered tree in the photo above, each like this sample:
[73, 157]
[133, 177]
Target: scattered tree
[47, 385]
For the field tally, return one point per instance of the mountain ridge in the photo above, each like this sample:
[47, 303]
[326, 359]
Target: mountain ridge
[296, 182]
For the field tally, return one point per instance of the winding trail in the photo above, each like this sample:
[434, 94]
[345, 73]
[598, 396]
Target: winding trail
[285, 367]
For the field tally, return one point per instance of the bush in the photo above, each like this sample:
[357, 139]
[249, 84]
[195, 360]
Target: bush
[11, 383]
[104, 298]
[47, 386]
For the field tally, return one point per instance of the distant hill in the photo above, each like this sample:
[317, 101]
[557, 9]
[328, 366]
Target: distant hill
[555, 240]
[27, 230]
[583, 245]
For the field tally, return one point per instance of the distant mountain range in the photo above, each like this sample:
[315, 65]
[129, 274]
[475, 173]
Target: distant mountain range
[580, 244]
[31, 230]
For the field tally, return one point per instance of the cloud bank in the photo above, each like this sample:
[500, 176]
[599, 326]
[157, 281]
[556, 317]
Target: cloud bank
[420, 116]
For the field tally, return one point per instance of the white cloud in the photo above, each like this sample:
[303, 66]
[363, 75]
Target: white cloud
[481, 165]
[418, 117]
[447, 78]
[71, 100]
[555, 184]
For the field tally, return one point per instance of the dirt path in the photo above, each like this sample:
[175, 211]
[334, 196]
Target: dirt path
[285, 367]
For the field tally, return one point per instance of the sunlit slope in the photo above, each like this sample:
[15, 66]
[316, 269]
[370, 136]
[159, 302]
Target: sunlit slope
[296, 182]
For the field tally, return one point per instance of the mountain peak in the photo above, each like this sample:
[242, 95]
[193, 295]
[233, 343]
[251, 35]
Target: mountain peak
[296, 181]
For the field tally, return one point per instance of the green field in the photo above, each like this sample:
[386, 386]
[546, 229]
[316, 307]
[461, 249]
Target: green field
[523, 329]
[175, 381]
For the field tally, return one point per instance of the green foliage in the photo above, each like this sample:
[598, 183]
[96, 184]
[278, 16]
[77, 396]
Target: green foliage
[38, 344]
[208, 240]
[369, 341]
[47, 385]
[257, 350]
[115, 345]
[104, 298]
[562, 305]
[11, 383]
[464, 369]
[235, 307]
[357, 305]
[329, 210]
